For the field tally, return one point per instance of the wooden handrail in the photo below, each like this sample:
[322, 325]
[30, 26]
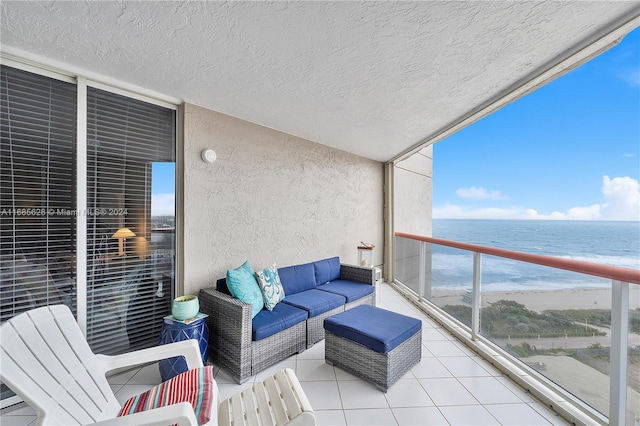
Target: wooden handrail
[616, 273]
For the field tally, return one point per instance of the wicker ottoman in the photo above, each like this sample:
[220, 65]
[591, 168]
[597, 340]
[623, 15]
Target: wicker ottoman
[374, 344]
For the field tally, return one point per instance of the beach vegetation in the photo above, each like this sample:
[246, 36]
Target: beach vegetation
[510, 319]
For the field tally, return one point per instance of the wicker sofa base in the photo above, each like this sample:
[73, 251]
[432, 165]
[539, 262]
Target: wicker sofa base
[315, 326]
[383, 370]
[367, 300]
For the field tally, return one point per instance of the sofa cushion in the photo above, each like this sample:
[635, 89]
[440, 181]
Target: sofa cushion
[243, 285]
[270, 286]
[375, 328]
[315, 302]
[327, 270]
[349, 289]
[297, 278]
[268, 323]
[221, 286]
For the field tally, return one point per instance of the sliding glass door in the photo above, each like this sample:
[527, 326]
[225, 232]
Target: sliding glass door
[128, 282]
[130, 208]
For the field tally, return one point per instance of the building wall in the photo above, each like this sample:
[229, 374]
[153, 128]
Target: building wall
[413, 188]
[271, 197]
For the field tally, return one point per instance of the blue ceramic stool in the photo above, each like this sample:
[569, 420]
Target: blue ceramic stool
[175, 331]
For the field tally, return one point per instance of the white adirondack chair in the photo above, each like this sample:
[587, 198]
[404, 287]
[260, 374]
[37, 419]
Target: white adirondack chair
[48, 363]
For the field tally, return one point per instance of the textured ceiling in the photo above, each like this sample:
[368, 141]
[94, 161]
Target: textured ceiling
[371, 78]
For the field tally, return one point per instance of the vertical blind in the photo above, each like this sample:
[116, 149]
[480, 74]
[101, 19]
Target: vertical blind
[128, 291]
[37, 192]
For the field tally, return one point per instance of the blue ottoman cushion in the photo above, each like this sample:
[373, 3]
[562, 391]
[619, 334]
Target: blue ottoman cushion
[267, 323]
[350, 290]
[315, 302]
[378, 329]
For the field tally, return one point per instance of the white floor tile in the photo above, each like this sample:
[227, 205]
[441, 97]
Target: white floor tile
[430, 368]
[314, 352]
[380, 416]
[517, 390]
[127, 391]
[442, 348]
[548, 414]
[288, 363]
[148, 375]
[422, 416]
[323, 395]
[313, 370]
[463, 366]
[516, 414]
[488, 390]
[122, 378]
[359, 394]
[223, 376]
[447, 391]
[429, 334]
[407, 393]
[227, 390]
[468, 415]
[330, 417]
[344, 375]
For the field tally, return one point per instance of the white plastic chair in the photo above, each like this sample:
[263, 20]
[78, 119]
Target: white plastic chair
[48, 363]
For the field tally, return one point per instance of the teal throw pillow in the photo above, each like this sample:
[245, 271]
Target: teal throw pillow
[270, 285]
[242, 285]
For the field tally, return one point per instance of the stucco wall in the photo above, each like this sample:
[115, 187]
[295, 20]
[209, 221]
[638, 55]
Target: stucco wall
[413, 187]
[271, 197]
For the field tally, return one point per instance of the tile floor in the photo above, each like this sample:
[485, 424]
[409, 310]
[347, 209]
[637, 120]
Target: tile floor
[450, 386]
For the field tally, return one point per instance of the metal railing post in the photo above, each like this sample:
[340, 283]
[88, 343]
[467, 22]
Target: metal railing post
[422, 273]
[618, 353]
[475, 295]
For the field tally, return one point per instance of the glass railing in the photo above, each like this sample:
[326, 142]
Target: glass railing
[573, 325]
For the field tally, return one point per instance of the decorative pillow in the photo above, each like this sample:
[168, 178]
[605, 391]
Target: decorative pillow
[196, 387]
[270, 285]
[243, 285]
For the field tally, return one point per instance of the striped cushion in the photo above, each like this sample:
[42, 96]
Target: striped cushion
[194, 386]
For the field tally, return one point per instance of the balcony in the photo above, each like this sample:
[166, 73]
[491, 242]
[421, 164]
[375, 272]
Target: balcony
[487, 358]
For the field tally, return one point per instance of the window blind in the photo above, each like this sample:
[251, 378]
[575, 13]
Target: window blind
[37, 192]
[129, 291]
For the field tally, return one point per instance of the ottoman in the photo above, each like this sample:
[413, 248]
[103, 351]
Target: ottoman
[374, 344]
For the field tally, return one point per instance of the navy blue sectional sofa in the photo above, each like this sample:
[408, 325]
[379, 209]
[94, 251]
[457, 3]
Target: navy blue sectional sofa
[313, 291]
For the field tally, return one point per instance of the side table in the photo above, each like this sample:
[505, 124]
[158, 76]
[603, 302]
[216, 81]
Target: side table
[176, 331]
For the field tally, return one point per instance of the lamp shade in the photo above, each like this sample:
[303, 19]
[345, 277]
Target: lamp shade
[123, 233]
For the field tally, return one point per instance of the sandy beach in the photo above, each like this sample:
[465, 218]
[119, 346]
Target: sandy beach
[538, 300]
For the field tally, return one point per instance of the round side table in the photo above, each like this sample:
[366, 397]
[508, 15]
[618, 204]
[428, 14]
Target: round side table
[176, 331]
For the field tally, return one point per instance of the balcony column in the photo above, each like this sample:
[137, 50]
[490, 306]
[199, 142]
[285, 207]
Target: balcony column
[618, 353]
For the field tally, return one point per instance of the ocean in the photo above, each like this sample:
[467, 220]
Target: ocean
[608, 243]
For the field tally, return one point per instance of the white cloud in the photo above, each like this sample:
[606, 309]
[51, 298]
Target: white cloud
[479, 194]
[163, 204]
[630, 155]
[451, 211]
[623, 198]
[622, 202]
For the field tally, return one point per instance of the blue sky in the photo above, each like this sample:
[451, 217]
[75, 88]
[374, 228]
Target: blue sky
[570, 150]
[163, 189]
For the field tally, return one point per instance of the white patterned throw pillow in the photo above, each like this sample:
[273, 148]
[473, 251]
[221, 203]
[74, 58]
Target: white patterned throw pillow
[270, 286]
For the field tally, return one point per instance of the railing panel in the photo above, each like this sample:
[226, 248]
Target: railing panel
[452, 281]
[554, 315]
[407, 262]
